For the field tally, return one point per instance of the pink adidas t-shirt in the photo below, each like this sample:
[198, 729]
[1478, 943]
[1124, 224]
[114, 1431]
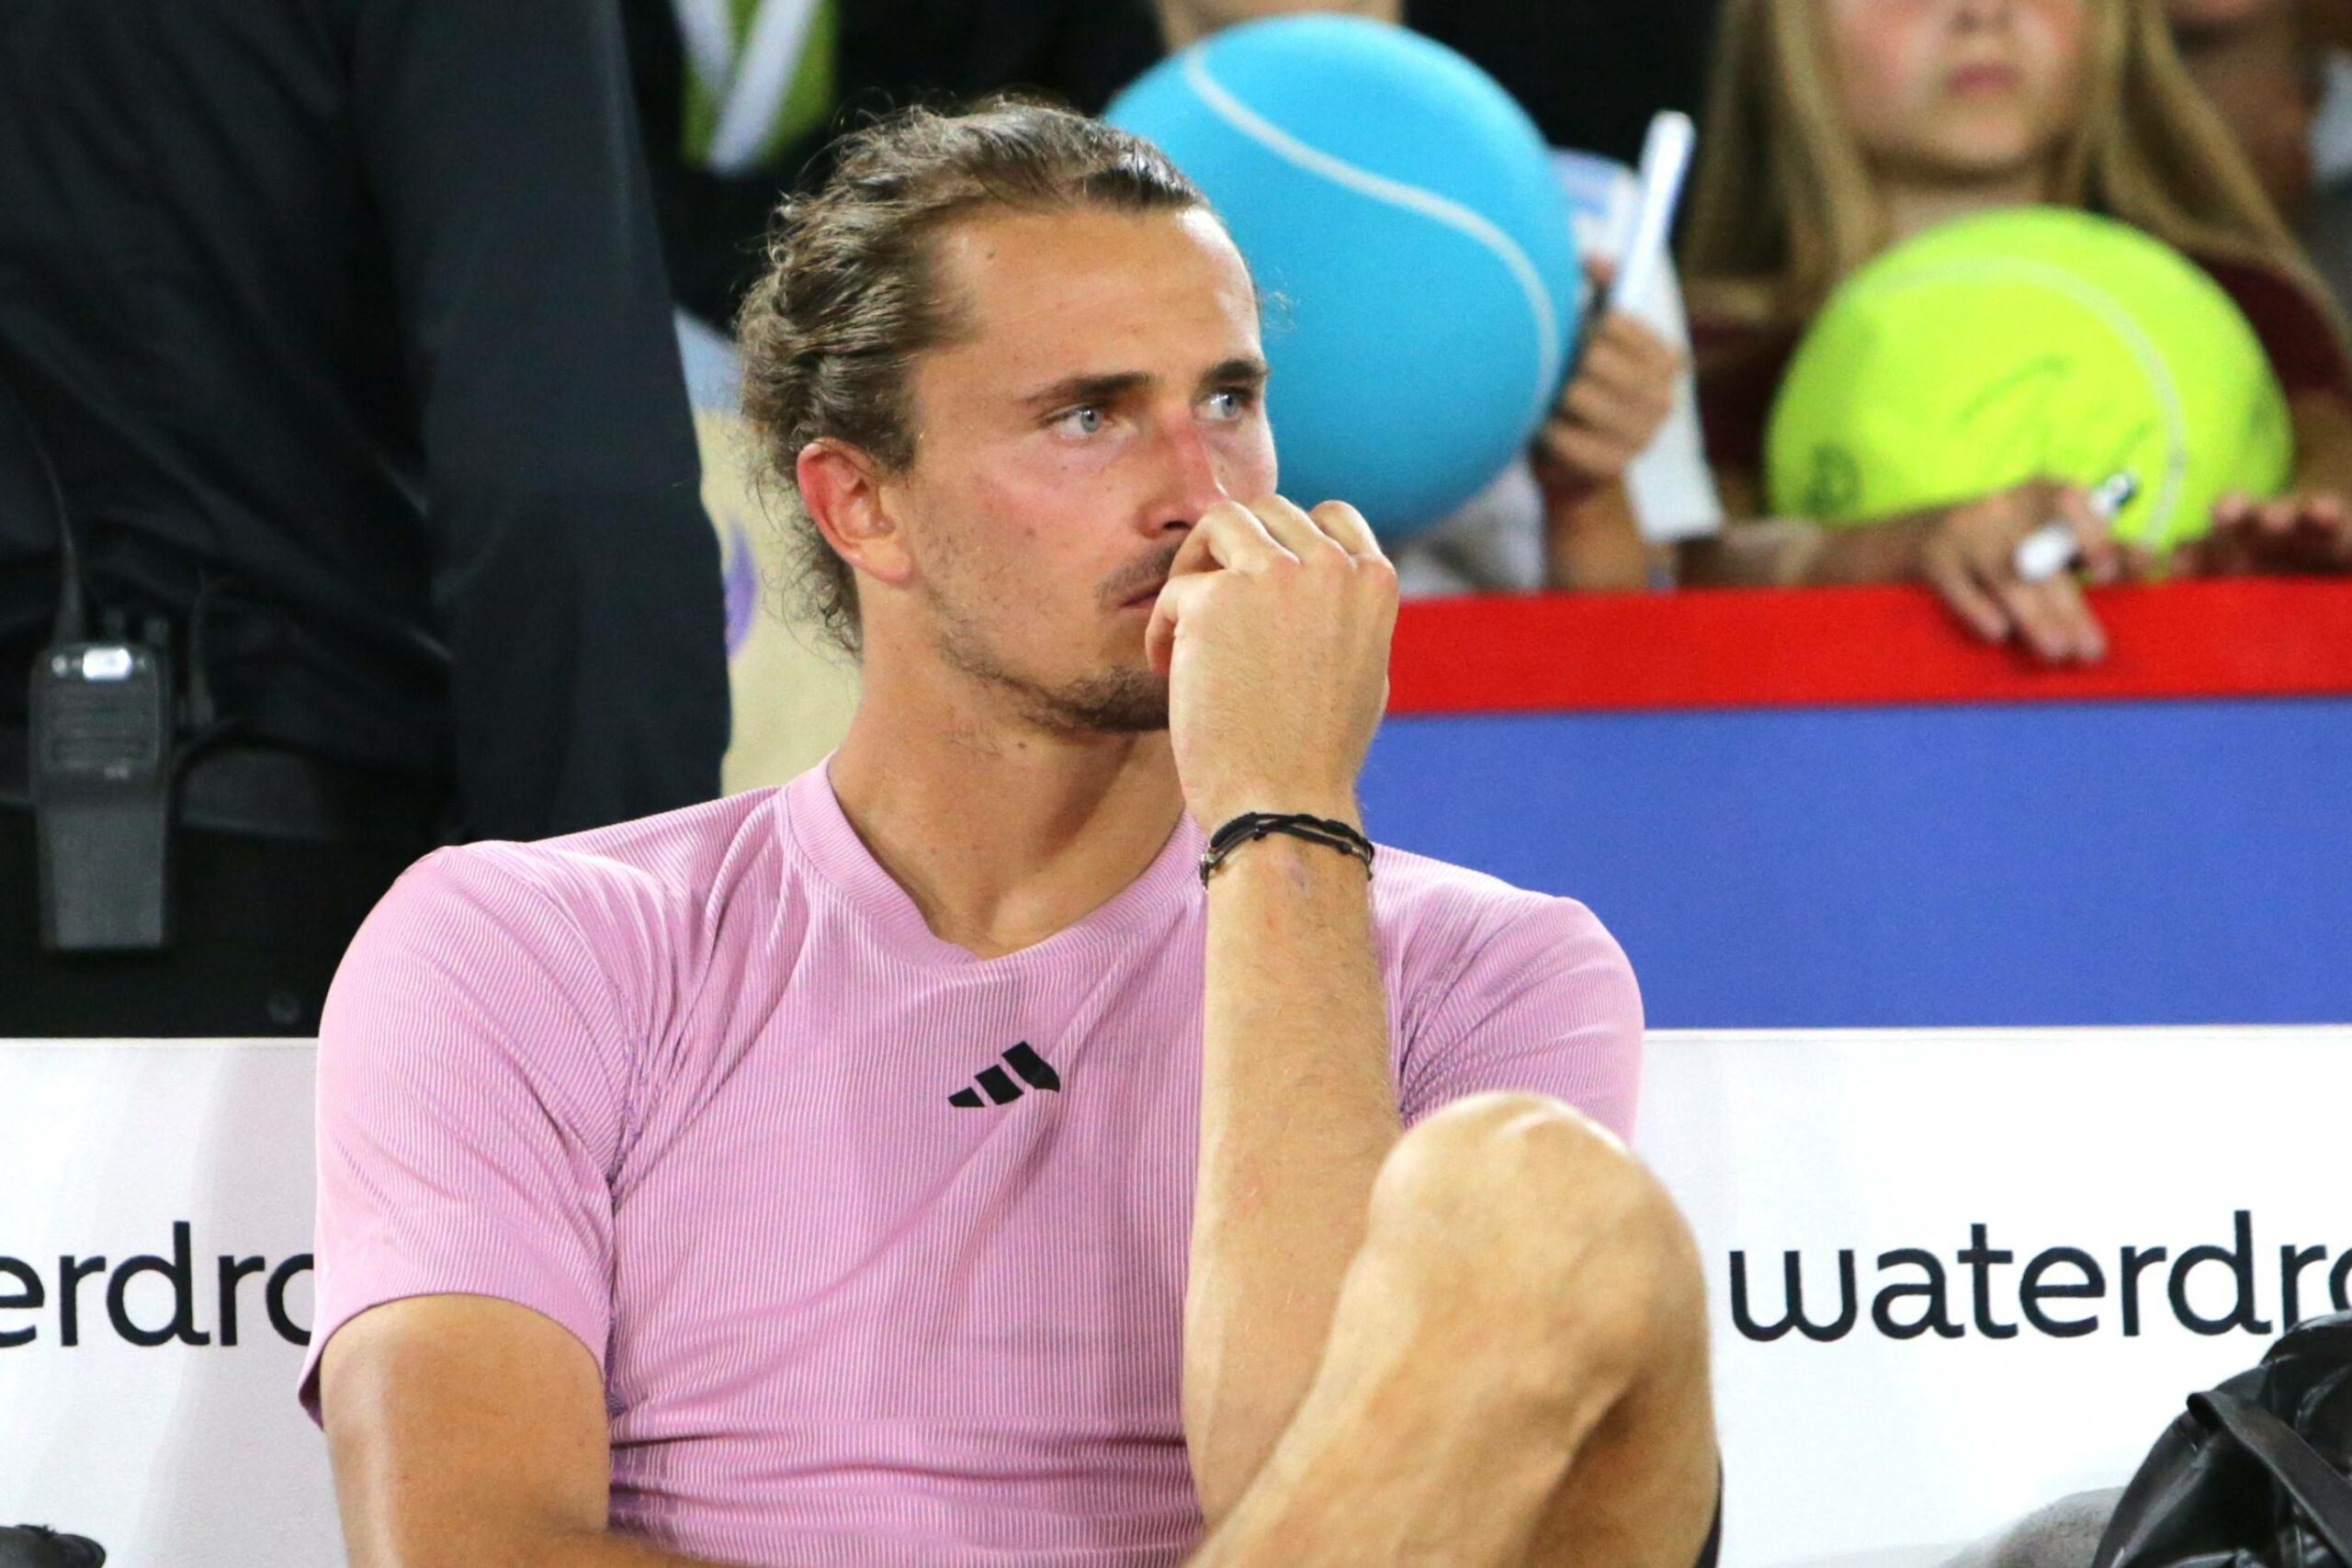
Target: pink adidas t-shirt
[869, 1283]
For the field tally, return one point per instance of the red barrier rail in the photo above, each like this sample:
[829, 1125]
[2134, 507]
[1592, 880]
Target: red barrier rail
[1832, 647]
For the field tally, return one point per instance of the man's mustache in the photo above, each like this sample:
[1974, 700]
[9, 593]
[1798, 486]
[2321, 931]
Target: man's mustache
[1138, 577]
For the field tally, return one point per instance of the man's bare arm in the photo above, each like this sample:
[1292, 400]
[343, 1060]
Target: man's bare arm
[1296, 1113]
[467, 1430]
[1274, 630]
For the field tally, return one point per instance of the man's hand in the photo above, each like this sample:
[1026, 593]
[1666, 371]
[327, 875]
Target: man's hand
[1274, 633]
[1611, 409]
[1968, 553]
[2295, 533]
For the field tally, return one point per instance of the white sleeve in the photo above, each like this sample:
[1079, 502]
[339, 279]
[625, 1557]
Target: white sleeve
[1673, 491]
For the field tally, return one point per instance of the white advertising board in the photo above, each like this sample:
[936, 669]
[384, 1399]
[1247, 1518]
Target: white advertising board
[2052, 1236]
[119, 1163]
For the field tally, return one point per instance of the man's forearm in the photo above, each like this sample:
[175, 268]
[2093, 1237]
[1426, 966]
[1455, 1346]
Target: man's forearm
[1297, 1110]
[568, 1549]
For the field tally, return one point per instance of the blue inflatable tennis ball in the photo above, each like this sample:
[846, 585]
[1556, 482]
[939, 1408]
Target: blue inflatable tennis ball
[1405, 225]
[2032, 343]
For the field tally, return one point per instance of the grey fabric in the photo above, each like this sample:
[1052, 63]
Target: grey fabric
[2062, 1535]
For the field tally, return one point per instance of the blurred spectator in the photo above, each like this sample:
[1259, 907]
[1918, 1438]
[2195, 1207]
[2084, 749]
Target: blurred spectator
[346, 331]
[2326, 220]
[2251, 59]
[1837, 128]
[2279, 73]
[737, 99]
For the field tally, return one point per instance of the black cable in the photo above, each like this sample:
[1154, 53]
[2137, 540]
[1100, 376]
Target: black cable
[72, 624]
[200, 714]
[72, 620]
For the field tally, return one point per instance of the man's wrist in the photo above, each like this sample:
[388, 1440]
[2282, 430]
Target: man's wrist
[1338, 806]
[1292, 859]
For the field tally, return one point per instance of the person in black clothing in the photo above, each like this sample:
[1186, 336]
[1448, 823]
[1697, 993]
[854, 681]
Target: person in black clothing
[344, 327]
[1591, 75]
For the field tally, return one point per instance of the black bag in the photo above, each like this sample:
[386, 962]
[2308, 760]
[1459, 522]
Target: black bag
[37, 1546]
[2253, 1476]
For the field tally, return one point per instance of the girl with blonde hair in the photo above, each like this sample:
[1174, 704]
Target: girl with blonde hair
[1838, 127]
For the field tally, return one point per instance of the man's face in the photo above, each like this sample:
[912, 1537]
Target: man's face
[1105, 392]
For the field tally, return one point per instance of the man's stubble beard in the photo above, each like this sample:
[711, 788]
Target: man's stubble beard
[1109, 702]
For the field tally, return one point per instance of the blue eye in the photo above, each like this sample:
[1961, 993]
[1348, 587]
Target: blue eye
[1230, 403]
[1083, 421]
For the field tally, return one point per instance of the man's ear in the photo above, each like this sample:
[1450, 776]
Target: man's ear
[841, 487]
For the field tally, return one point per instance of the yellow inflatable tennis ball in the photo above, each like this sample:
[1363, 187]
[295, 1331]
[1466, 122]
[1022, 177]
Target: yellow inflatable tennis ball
[2027, 343]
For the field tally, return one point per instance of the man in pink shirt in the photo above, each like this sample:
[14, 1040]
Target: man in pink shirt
[928, 1162]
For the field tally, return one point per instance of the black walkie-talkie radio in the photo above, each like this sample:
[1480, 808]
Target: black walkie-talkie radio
[100, 758]
[101, 766]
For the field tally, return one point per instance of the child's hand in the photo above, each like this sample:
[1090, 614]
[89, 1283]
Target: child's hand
[1612, 408]
[2294, 533]
[1969, 554]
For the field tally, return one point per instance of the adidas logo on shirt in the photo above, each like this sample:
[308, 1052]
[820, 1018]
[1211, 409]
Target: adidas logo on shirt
[1035, 1070]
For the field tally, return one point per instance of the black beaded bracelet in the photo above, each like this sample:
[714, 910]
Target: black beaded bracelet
[1251, 826]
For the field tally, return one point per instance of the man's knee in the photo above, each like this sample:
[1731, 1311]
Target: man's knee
[1528, 1186]
[1530, 1157]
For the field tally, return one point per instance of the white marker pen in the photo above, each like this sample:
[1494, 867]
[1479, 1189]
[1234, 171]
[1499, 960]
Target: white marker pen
[2051, 548]
[1665, 160]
